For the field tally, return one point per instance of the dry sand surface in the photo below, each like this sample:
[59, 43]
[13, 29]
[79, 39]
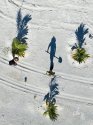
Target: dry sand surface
[21, 103]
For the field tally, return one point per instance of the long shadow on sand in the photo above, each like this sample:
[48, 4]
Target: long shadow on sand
[50, 96]
[52, 47]
[22, 27]
[80, 36]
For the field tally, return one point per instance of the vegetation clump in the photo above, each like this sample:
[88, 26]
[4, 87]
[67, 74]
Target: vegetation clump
[80, 54]
[51, 108]
[18, 48]
[19, 44]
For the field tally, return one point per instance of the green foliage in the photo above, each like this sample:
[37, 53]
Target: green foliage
[80, 55]
[18, 48]
[51, 111]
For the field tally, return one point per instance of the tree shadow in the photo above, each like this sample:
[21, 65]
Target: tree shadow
[22, 31]
[80, 36]
[22, 27]
[50, 96]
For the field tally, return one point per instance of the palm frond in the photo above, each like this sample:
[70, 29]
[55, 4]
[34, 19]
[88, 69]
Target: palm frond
[80, 32]
[25, 20]
[19, 19]
[22, 33]
[22, 27]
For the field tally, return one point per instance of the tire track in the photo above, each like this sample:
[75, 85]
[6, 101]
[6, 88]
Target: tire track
[65, 26]
[18, 4]
[26, 67]
[32, 7]
[35, 90]
[30, 89]
[43, 27]
[60, 74]
[40, 7]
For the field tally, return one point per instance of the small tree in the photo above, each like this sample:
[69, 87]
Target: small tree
[51, 108]
[18, 48]
[80, 54]
[19, 44]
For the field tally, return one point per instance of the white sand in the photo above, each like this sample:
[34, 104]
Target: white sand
[59, 18]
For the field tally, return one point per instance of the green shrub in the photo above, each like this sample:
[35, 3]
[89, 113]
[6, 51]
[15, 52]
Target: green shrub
[51, 111]
[18, 48]
[80, 55]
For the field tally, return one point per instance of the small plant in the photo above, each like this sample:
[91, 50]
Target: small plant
[19, 44]
[18, 48]
[80, 55]
[51, 110]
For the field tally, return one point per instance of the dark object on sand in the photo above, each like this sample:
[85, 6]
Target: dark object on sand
[50, 73]
[25, 79]
[14, 61]
[90, 36]
[74, 47]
